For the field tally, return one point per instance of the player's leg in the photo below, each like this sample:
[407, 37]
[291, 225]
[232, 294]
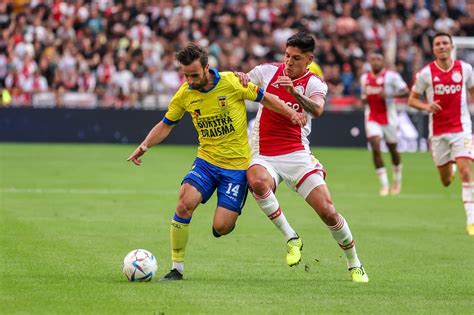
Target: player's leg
[461, 148]
[262, 185]
[446, 173]
[320, 200]
[464, 166]
[375, 132]
[397, 169]
[441, 152]
[379, 165]
[197, 187]
[232, 190]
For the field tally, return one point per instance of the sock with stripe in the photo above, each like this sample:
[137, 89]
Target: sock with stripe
[270, 206]
[382, 175]
[179, 234]
[343, 236]
[467, 198]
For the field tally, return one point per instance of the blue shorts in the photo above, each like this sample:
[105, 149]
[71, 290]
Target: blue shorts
[231, 184]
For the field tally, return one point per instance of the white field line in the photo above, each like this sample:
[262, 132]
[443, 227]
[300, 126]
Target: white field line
[103, 191]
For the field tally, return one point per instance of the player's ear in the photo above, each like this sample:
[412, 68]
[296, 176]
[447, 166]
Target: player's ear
[310, 59]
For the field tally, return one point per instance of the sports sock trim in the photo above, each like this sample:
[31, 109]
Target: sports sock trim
[275, 214]
[181, 220]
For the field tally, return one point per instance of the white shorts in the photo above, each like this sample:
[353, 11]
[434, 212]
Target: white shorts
[387, 132]
[448, 147]
[300, 170]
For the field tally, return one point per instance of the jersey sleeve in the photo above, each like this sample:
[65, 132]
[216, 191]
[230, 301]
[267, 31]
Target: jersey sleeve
[316, 87]
[468, 74]
[252, 92]
[176, 109]
[420, 84]
[363, 79]
[398, 83]
[256, 75]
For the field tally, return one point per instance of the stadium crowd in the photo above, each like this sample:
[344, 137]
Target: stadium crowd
[122, 52]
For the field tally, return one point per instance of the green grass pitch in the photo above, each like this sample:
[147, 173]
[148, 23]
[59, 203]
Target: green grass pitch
[70, 213]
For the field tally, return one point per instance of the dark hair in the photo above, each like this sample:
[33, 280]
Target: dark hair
[303, 41]
[442, 34]
[191, 53]
[376, 51]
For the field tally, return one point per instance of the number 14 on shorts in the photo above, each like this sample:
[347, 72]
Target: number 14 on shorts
[233, 190]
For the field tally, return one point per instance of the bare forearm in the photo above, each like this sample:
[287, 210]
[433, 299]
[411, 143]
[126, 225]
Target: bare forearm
[275, 104]
[157, 134]
[417, 103]
[312, 106]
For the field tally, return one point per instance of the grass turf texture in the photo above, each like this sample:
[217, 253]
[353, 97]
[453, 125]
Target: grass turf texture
[70, 213]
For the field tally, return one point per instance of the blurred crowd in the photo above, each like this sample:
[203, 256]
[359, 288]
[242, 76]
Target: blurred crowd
[122, 52]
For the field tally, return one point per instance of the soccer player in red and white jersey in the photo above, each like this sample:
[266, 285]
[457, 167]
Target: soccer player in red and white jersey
[379, 86]
[446, 83]
[280, 152]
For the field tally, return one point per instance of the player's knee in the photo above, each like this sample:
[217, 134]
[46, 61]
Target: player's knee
[219, 229]
[465, 174]
[185, 208]
[257, 183]
[446, 181]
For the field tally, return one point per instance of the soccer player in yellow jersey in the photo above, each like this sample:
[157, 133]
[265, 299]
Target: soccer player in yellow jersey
[215, 100]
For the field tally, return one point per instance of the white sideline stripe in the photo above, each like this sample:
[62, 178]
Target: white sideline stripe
[80, 191]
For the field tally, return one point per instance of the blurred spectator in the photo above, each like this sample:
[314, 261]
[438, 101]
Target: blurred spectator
[121, 50]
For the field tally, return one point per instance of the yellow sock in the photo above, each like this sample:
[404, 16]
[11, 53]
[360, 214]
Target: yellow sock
[179, 233]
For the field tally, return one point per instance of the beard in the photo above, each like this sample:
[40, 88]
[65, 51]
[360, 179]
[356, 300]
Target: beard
[200, 85]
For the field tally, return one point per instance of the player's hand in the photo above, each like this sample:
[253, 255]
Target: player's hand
[287, 83]
[299, 119]
[139, 151]
[434, 107]
[243, 77]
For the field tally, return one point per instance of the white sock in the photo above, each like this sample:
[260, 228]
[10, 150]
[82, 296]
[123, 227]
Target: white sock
[178, 266]
[270, 206]
[397, 173]
[383, 178]
[342, 234]
[467, 198]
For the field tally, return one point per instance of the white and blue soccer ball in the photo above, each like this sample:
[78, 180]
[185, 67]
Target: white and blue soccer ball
[139, 265]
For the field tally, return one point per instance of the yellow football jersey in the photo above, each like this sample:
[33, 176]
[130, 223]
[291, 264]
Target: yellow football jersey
[220, 118]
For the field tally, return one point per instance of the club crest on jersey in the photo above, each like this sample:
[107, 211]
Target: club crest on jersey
[457, 76]
[222, 100]
[299, 89]
[379, 80]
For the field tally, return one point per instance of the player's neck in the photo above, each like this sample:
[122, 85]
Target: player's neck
[377, 72]
[445, 64]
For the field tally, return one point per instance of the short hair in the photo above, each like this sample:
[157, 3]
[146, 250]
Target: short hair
[438, 34]
[302, 40]
[191, 53]
[376, 51]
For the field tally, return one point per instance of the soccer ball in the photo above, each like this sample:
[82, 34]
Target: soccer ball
[139, 265]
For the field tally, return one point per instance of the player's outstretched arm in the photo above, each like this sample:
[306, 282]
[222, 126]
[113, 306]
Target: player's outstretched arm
[156, 135]
[273, 103]
[414, 101]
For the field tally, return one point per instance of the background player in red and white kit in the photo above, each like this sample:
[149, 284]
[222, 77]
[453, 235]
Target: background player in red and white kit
[280, 152]
[379, 86]
[447, 83]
